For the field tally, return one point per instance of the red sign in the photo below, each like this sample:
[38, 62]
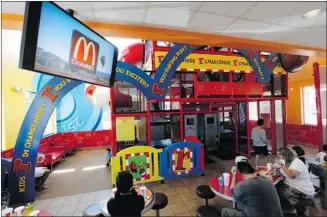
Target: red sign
[84, 52]
[206, 88]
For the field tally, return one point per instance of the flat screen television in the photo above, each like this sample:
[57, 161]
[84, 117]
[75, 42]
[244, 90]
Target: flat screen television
[56, 43]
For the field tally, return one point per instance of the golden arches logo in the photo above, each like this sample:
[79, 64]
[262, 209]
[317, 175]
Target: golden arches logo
[84, 52]
[87, 47]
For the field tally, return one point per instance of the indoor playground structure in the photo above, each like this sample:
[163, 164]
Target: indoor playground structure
[171, 105]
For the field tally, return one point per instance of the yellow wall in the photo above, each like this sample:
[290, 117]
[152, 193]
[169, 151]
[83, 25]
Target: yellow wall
[295, 84]
[14, 102]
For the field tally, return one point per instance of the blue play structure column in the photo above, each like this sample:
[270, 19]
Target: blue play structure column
[21, 178]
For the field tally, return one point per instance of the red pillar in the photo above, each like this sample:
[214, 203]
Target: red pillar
[248, 130]
[284, 122]
[113, 121]
[316, 74]
[236, 115]
[273, 127]
[148, 122]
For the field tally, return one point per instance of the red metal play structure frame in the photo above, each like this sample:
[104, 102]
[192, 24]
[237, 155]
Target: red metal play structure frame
[215, 104]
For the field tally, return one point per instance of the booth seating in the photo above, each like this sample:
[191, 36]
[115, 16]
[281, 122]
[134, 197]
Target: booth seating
[52, 154]
[93, 210]
[160, 202]
[205, 192]
[70, 146]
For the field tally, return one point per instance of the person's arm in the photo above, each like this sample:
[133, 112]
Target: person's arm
[234, 181]
[263, 136]
[290, 172]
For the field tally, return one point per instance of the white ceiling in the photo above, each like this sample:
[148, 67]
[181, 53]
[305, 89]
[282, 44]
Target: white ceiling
[269, 21]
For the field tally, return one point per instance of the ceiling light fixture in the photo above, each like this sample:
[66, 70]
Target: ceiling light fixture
[312, 14]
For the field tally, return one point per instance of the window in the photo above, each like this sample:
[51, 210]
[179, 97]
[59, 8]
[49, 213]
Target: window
[278, 111]
[309, 106]
[106, 118]
[253, 111]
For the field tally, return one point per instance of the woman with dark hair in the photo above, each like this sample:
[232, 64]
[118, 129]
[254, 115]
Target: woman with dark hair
[300, 153]
[126, 202]
[297, 188]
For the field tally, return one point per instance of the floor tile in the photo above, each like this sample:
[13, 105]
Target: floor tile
[82, 206]
[87, 198]
[186, 196]
[192, 204]
[150, 213]
[56, 203]
[166, 211]
[67, 209]
[178, 208]
[42, 204]
[79, 213]
[53, 211]
[72, 200]
[171, 191]
[181, 190]
[184, 214]
[174, 199]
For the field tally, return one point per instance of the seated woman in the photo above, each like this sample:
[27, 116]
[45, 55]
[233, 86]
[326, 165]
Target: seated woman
[41, 174]
[297, 188]
[126, 201]
[300, 153]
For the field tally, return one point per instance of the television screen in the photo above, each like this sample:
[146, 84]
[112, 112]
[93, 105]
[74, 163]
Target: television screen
[210, 120]
[56, 43]
[190, 121]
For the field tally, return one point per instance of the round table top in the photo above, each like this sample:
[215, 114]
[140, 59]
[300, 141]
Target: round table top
[148, 203]
[224, 191]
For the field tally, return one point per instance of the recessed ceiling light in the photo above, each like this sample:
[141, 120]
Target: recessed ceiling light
[312, 14]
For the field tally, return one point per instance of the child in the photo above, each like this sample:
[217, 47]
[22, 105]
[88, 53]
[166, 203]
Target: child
[126, 202]
[108, 157]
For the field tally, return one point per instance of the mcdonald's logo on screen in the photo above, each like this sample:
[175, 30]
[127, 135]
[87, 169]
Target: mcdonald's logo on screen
[84, 52]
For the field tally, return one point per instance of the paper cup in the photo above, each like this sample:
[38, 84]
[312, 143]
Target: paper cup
[226, 179]
[35, 213]
[143, 191]
[7, 212]
[19, 211]
[269, 166]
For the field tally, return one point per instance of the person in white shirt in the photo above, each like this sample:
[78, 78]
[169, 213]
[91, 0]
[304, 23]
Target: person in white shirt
[297, 187]
[41, 174]
[321, 157]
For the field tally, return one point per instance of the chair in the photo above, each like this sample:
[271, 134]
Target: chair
[205, 192]
[287, 208]
[93, 210]
[207, 211]
[160, 202]
[319, 171]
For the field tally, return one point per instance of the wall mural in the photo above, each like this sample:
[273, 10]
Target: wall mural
[75, 112]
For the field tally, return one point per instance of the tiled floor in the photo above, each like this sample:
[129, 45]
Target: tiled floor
[181, 193]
